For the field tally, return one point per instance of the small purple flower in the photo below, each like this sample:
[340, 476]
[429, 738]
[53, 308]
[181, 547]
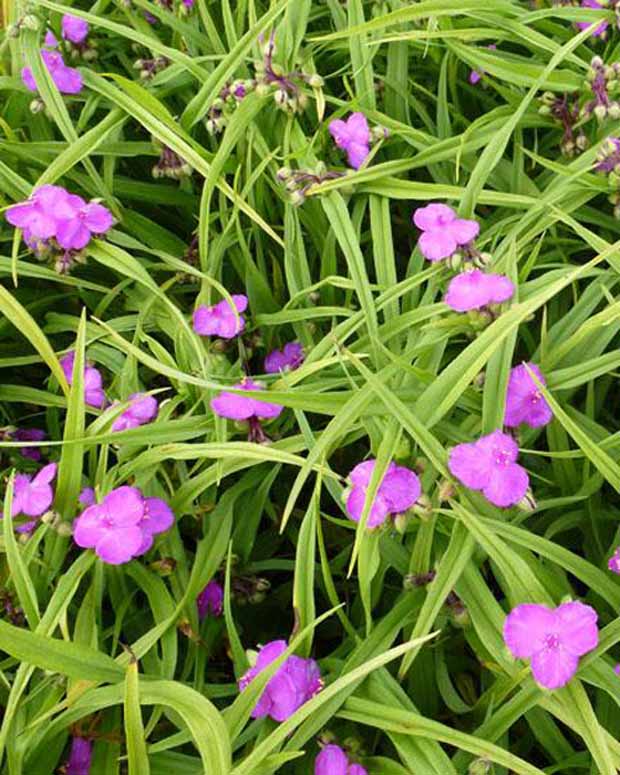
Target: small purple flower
[598, 31]
[398, 491]
[29, 434]
[87, 497]
[614, 561]
[296, 682]
[33, 495]
[51, 41]
[489, 464]
[332, 760]
[38, 216]
[220, 319]
[211, 600]
[79, 761]
[524, 401]
[68, 80]
[442, 231]
[617, 669]
[290, 357]
[88, 218]
[74, 29]
[353, 136]
[475, 76]
[122, 526]
[552, 639]
[142, 409]
[93, 381]
[357, 769]
[239, 407]
[475, 289]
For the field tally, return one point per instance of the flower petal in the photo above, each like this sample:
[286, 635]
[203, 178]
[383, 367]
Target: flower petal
[553, 667]
[578, 629]
[507, 485]
[437, 244]
[526, 628]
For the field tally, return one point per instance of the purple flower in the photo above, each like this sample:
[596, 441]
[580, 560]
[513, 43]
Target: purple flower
[141, 410]
[33, 496]
[80, 757]
[88, 218]
[489, 464]
[617, 669]
[475, 289]
[552, 639]
[333, 761]
[68, 80]
[442, 231]
[614, 561]
[29, 434]
[609, 155]
[87, 497]
[74, 28]
[291, 356]
[220, 319]
[93, 382]
[524, 401]
[475, 76]
[353, 136]
[296, 682]
[51, 41]
[122, 526]
[399, 490]
[210, 601]
[238, 407]
[598, 31]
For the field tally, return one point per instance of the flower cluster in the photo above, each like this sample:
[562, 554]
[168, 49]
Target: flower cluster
[33, 495]
[59, 225]
[552, 639]
[296, 681]
[399, 489]
[608, 163]
[600, 31]
[446, 236]
[333, 760]
[171, 165]
[123, 525]
[150, 67]
[299, 182]
[68, 80]
[290, 357]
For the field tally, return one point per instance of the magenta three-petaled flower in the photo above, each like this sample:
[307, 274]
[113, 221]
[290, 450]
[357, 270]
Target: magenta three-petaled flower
[475, 289]
[123, 525]
[398, 491]
[296, 681]
[290, 357]
[353, 136]
[524, 401]
[552, 639]
[489, 464]
[442, 231]
[74, 29]
[33, 495]
[334, 761]
[220, 319]
[240, 407]
[93, 382]
[68, 80]
[142, 409]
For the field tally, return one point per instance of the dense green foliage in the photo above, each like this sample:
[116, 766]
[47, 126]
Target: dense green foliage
[414, 663]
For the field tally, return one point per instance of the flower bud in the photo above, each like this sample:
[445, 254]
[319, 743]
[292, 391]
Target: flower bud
[284, 173]
[600, 111]
[31, 22]
[423, 508]
[13, 31]
[37, 105]
[315, 81]
[527, 502]
[211, 127]
[164, 567]
[297, 198]
[401, 522]
[479, 767]
[614, 110]
[544, 110]
[64, 529]
[446, 490]
[596, 62]
[280, 97]
[455, 261]
[262, 89]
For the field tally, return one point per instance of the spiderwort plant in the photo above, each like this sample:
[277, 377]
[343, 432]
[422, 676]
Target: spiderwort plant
[246, 409]
[221, 319]
[33, 495]
[398, 491]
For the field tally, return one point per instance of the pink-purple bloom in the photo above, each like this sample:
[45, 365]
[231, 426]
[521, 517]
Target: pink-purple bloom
[552, 639]
[524, 401]
[87, 497]
[240, 407]
[600, 29]
[74, 29]
[220, 319]
[142, 409]
[489, 465]
[29, 434]
[399, 490]
[51, 212]
[123, 525]
[296, 681]
[332, 760]
[80, 757]
[68, 80]
[211, 600]
[93, 381]
[614, 561]
[50, 40]
[290, 357]
[33, 495]
[353, 136]
[442, 231]
[475, 289]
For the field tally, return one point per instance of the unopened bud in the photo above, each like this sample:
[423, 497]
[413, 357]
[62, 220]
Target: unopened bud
[262, 89]
[315, 81]
[31, 22]
[423, 508]
[281, 97]
[297, 198]
[455, 261]
[401, 522]
[64, 529]
[479, 767]
[600, 111]
[446, 490]
[614, 110]
[284, 173]
[527, 502]
[37, 105]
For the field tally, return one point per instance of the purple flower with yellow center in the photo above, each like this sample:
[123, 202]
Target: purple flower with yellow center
[74, 29]
[489, 465]
[475, 289]
[333, 760]
[68, 80]
[211, 600]
[295, 682]
[353, 136]
[442, 231]
[33, 495]
[123, 525]
[290, 357]
[93, 381]
[80, 757]
[142, 409]
[399, 490]
[220, 319]
[524, 401]
[552, 639]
